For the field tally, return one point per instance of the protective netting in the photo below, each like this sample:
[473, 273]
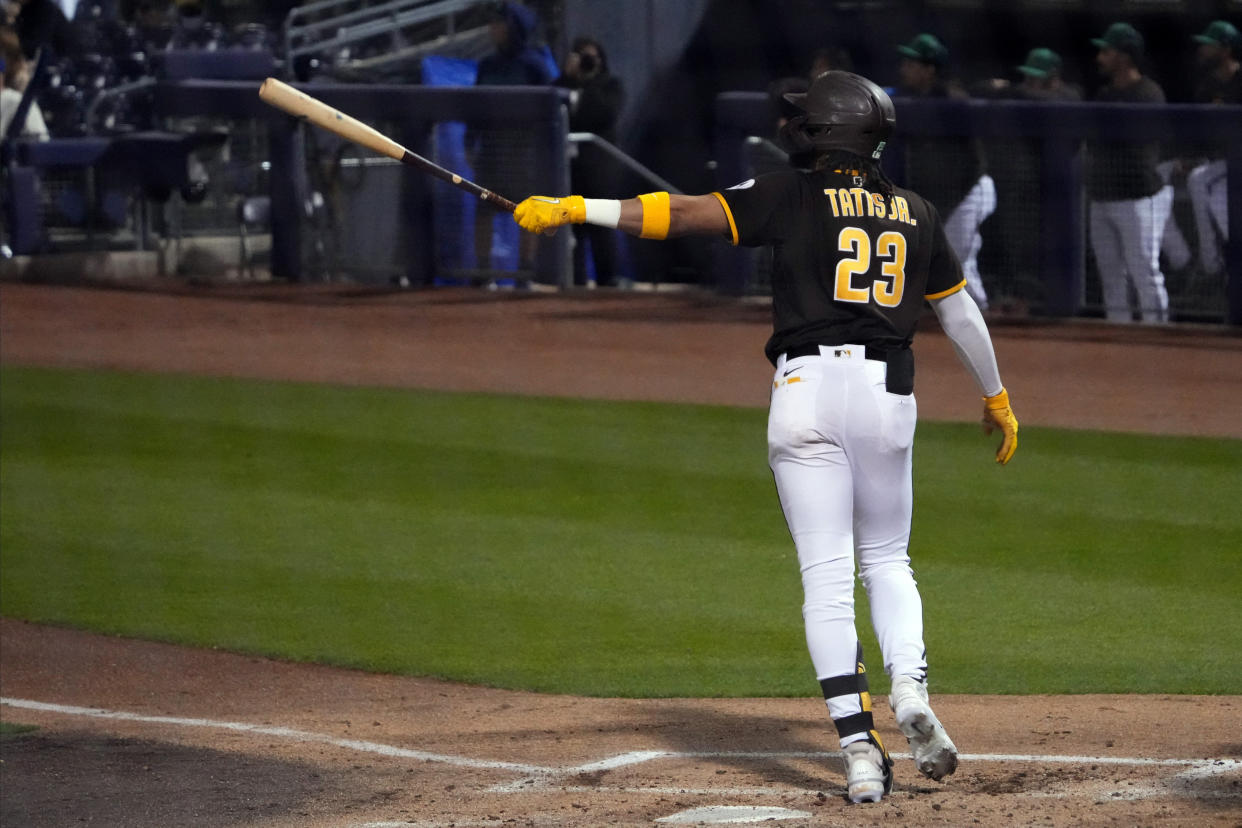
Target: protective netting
[1183, 222]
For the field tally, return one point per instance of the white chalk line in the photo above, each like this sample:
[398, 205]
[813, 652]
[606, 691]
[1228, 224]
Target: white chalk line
[280, 732]
[541, 777]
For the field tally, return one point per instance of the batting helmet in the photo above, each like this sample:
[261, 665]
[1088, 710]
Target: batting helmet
[843, 111]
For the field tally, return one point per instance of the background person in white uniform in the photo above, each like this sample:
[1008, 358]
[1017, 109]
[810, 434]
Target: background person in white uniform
[11, 86]
[950, 171]
[1220, 83]
[1129, 201]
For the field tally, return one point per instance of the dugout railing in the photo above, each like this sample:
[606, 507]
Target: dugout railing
[416, 117]
[1036, 249]
[313, 206]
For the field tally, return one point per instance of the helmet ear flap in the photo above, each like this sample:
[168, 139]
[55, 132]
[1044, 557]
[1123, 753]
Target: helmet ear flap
[794, 137]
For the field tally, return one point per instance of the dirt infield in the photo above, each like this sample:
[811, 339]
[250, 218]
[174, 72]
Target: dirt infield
[141, 734]
[687, 347]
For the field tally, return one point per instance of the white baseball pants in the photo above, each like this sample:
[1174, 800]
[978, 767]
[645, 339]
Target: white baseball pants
[1125, 237]
[1207, 186]
[839, 446]
[961, 228]
[1173, 242]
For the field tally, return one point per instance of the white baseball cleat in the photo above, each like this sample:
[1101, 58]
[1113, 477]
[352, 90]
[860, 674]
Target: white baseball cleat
[935, 755]
[867, 772]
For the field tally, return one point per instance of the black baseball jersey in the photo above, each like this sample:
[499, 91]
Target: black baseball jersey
[1213, 90]
[1125, 170]
[849, 265]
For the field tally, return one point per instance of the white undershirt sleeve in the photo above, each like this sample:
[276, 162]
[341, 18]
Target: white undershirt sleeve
[605, 212]
[963, 323]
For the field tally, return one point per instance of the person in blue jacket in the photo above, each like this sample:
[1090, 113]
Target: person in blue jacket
[503, 158]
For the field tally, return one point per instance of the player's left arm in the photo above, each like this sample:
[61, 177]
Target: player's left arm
[963, 323]
[649, 216]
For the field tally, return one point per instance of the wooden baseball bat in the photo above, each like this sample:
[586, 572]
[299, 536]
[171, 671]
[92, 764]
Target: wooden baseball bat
[284, 97]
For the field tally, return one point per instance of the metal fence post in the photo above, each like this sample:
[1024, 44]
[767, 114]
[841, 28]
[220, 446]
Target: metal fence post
[284, 137]
[1233, 247]
[554, 256]
[1062, 261]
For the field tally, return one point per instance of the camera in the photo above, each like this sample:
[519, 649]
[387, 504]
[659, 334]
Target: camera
[587, 63]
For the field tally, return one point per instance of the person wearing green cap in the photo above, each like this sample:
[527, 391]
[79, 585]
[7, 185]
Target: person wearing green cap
[950, 171]
[1198, 176]
[1129, 202]
[1220, 82]
[923, 62]
[1041, 78]
[1217, 60]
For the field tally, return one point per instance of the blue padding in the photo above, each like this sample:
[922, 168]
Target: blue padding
[71, 202]
[446, 71]
[62, 152]
[153, 158]
[21, 207]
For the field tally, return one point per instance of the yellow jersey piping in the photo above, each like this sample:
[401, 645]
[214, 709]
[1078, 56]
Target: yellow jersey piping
[729, 216]
[945, 293]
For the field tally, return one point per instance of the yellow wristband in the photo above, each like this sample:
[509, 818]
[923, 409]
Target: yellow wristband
[656, 215]
[997, 401]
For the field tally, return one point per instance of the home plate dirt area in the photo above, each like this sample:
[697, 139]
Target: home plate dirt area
[134, 733]
[142, 734]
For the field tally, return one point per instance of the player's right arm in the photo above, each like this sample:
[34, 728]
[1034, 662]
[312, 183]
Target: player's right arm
[649, 216]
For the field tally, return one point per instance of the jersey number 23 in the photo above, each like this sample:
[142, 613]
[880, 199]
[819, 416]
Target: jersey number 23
[889, 249]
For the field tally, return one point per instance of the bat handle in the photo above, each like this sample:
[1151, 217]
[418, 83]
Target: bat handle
[500, 201]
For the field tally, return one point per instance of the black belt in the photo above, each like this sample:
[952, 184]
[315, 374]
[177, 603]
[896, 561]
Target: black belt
[870, 352]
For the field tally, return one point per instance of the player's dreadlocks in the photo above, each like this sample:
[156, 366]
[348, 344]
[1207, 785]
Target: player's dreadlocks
[846, 120]
[848, 162]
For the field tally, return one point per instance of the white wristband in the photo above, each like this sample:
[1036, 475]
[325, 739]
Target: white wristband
[606, 212]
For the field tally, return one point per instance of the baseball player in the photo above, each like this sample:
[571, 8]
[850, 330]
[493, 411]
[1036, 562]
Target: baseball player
[854, 260]
[949, 170]
[1129, 201]
[1200, 175]
[1219, 48]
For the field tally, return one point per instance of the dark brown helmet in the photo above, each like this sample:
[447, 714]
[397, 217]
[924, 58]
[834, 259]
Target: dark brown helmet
[843, 111]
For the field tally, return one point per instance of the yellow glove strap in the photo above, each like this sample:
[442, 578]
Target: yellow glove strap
[656, 215]
[543, 214]
[576, 205]
[1000, 400]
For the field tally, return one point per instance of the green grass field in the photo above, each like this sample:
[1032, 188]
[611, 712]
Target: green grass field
[590, 547]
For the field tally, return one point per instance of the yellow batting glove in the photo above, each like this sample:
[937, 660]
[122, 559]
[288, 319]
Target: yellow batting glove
[543, 214]
[998, 414]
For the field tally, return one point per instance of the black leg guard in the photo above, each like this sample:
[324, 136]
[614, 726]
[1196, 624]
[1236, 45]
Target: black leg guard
[863, 721]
